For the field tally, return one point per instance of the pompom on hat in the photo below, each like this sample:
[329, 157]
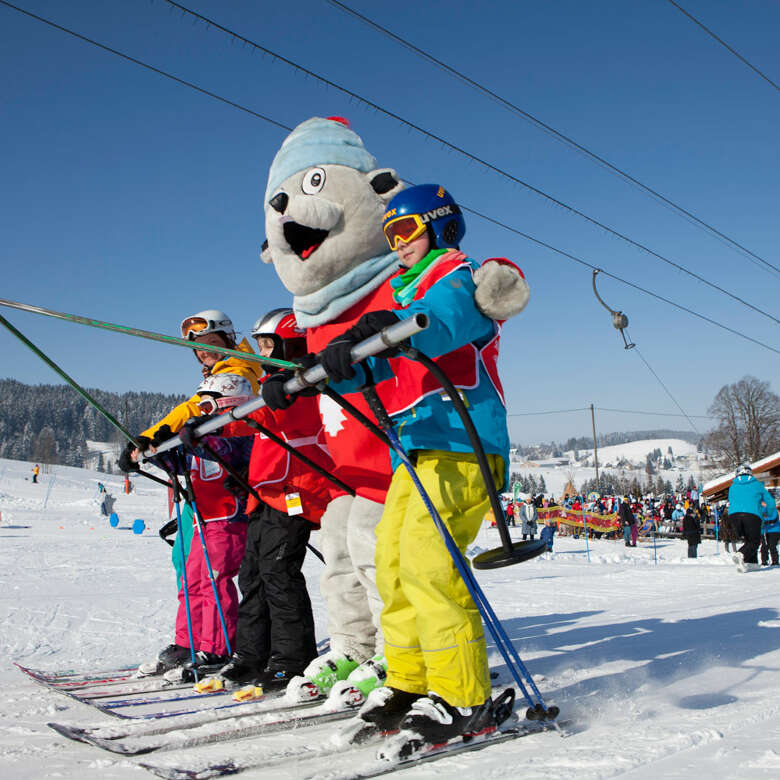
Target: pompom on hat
[318, 141]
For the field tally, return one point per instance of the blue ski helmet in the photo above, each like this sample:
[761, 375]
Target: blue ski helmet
[424, 207]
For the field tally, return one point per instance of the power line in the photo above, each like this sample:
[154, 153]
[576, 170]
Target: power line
[479, 214]
[568, 140]
[667, 390]
[725, 45]
[147, 66]
[617, 278]
[656, 414]
[469, 155]
[608, 409]
[553, 411]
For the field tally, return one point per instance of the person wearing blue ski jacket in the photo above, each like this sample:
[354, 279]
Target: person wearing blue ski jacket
[749, 501]
[770, 535]
[438, 683]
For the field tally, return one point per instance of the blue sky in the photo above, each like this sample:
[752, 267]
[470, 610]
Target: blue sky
[129, 198]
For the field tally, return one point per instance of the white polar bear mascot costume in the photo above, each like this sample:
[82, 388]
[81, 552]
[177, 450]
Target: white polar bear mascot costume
[323, 218]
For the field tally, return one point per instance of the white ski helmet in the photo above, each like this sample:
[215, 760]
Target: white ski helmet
[223, 391]
[743, 470]
[208, 321]
[281, 326]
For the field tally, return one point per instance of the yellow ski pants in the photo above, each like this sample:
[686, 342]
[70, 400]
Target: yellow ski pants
[434, 640]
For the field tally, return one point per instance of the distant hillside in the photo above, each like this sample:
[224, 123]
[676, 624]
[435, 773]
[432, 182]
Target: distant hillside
[556, 449]
[52, 423]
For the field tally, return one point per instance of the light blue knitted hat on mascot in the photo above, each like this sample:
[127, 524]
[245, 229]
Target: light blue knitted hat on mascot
[318, 141]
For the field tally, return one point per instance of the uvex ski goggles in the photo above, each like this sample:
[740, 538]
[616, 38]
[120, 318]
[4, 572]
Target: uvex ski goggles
[405, 229]
[199, 326]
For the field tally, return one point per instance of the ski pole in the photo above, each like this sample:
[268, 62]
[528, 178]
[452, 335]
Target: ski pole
[72, 382]
[585, 530]
[201, 533]
[146, 334]
[509, 552]
[386, 434]
[390, 336]
[655, 545]
[271, 436]
[80, 390]
[537, 710]
[184, 582]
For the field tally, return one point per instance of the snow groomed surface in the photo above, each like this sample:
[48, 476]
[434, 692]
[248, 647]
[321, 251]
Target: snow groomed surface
[669, 670]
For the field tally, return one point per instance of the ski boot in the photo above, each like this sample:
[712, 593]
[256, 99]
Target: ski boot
[206, 664]
[432, 722]
[361, 681]
[277, 680]
[382, 714]
[168, 658]
[240, 671]
[320, 676]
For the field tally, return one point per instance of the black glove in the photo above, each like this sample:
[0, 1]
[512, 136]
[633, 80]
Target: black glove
[273, 393]
[374, 322]
[163, 433]
[125, 462]
[336, 358]
[187, 432]
[235, 486]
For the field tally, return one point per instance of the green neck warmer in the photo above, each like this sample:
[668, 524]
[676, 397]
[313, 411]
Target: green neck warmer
[405, 285]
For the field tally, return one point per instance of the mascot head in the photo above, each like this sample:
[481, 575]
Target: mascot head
[323, 205]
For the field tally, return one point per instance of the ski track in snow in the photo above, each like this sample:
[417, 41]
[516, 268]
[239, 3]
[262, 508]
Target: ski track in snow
[670, 670]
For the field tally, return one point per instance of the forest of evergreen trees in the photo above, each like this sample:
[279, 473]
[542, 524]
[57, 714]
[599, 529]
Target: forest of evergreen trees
[51, 423]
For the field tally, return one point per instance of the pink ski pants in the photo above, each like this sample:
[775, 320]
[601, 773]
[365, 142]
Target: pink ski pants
[225, 542]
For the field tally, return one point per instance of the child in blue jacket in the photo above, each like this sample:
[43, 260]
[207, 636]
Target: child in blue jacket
[438, 683]
[547, 534]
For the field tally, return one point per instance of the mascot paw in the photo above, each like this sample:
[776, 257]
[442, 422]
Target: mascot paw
[502, 291]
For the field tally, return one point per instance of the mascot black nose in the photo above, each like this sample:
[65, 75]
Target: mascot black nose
[279, 202]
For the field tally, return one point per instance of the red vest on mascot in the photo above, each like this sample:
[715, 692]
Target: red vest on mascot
[362, 460]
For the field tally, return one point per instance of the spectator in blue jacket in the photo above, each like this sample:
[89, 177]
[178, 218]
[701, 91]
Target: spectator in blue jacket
[548, 533]
[749, 500]
[770, 535]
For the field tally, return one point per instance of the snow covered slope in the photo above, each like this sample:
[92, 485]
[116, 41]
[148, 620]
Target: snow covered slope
[637, 451]
[672, 669]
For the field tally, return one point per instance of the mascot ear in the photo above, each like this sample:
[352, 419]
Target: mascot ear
[385, 183]
[265, 253]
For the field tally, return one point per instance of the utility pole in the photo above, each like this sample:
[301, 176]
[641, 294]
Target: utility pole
[595, 450]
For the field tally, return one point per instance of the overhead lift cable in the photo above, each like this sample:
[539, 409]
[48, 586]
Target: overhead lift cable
[468, 155]
[725, 45]
[477, 213]
[568, 140]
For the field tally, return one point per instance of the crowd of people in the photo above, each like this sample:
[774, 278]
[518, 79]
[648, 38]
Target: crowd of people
[682, 515]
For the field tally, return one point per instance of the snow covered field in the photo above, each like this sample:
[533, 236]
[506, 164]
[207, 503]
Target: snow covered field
[670, 670]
